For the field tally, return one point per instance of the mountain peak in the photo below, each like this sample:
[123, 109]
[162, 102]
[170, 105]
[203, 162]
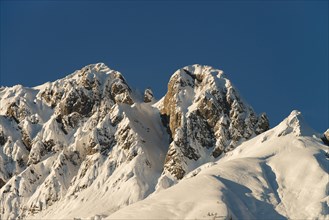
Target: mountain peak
[296, 124]
[97, 67]
[199, 69]
[206, 117]
[294, 118]
[195, 74]
[91, 71]
[86, 132]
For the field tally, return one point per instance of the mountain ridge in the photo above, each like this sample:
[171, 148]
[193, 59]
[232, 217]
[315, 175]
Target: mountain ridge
[268, 176]
[88, 139]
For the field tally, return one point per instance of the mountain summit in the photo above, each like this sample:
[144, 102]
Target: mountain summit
[206, 117]
[87, 145]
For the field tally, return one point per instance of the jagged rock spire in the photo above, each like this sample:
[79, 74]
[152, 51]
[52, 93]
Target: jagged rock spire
[207, 116]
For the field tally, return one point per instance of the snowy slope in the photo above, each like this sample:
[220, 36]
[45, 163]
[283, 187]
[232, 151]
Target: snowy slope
[280, 174]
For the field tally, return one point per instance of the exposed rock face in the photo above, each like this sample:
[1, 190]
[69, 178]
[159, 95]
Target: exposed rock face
[206, 117]
[3, 138]
[86, 89]
[325, 137]
[26, 140]
[86, 133]
[326, 134]
[148, 96]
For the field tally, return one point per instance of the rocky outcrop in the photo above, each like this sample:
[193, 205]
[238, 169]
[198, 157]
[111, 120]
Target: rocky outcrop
[325, 137]
[86, 90]
[3, 138]
[148, 96]
[206, 114]
[26, 140]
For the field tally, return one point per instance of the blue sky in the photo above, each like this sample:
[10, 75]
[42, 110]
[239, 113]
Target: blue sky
[275, 52]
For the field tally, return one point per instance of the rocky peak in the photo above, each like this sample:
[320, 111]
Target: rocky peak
[206, 117]
[148, 96]
[87, 87]
[189, 84]
[295, 124]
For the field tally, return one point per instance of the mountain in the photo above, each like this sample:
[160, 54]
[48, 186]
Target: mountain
[88, 145]
[83, 134]
[280, 174]
[206, 117]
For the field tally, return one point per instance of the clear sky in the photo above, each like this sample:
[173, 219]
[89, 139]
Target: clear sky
[275, 52]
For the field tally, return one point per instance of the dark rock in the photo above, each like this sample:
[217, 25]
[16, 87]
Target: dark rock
[148, 96]
[2, 183]
[262, 124]
[12, 112]
[52, 97]
[173, 164]
[325, 137]
[165, 119]
[49, 144]
[21, 162]
[71, 121]
[26, 140]
[76, 101]
[105, 139]
[121, 93]
[3, 138]
[125, 137]
[59, 120]
[217, 152]
[199, 130]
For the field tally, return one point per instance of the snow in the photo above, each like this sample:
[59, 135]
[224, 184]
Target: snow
[159, 104]
[111, 163]
[129, 181]
[267, 177]
[148, 125]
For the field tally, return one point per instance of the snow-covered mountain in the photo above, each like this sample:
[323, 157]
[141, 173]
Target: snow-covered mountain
[206, 117]
[281, 173]
[87, 145]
